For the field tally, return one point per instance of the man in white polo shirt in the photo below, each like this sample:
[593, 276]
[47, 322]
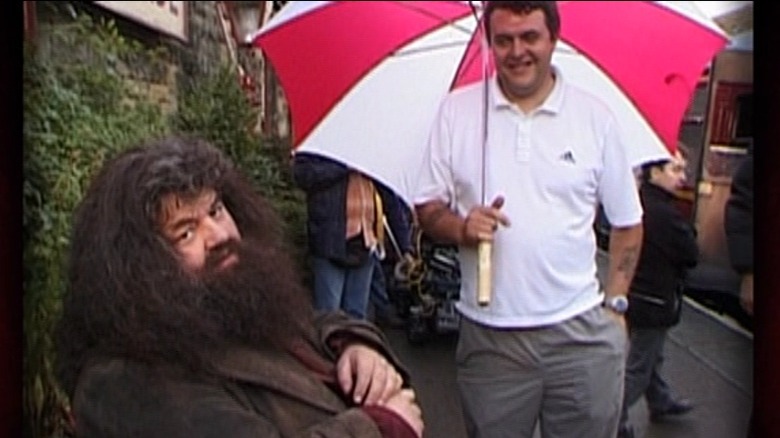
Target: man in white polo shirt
[549, 346]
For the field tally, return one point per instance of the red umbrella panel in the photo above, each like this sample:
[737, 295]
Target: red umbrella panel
[364, 80]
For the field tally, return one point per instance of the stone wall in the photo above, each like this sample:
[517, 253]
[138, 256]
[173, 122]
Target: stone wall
[205, 51]
[207, 48]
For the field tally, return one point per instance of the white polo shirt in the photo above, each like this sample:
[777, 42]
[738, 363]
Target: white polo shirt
[553, 167]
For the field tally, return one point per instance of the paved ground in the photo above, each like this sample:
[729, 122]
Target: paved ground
[708, 359]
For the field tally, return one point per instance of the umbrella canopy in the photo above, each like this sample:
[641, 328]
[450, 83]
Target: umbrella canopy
[364, 80]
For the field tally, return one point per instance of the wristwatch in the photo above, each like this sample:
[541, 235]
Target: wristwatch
[617, 304]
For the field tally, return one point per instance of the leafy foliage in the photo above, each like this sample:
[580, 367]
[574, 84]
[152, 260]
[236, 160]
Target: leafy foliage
[86, 98]
[215, 108]
[76, 113]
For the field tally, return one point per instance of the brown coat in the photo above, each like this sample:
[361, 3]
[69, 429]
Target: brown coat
[258, 393]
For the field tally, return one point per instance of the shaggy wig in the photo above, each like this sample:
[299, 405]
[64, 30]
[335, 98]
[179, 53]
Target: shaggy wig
[128, 294]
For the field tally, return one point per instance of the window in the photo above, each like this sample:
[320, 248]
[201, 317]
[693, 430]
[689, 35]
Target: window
[743, 127]
[732, 115]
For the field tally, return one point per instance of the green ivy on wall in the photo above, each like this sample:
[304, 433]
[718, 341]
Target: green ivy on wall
[76, 113]
[215, 108]
[83, 103]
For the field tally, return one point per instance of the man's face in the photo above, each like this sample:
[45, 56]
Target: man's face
[671, 176]
[522, 48]
[201, 230]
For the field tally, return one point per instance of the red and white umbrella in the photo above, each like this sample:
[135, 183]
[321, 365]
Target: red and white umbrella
[364, 80]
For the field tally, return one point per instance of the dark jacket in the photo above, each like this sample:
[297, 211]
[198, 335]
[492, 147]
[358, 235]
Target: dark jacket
[257, 393]
[668, 250]
[325, 182]
[738, 218]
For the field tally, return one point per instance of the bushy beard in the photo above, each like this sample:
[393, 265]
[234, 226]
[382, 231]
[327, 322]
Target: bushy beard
[186, 318]
[258, 300]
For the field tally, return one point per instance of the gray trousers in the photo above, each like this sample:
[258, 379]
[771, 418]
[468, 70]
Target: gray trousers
[643, 370]
[567, 376]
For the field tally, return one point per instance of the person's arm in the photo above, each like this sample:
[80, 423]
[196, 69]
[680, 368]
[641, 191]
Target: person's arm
[122, 399]
[436, 191]
[336, 332]
[444, 225]
[374, 383]
[625, 244]
[623, 209]
[440, 223]
[367, 369]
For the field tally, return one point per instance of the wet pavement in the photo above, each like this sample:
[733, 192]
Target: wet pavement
[709, 360]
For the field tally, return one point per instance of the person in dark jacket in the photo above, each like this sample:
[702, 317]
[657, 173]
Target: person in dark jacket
[669, 250]
[184, 316]
[738, 223]
[345, 229]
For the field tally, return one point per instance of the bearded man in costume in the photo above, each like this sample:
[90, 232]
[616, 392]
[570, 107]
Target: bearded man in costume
[184, 315]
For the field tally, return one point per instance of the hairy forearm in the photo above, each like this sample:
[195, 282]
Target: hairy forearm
[440, 223]
[624, 247]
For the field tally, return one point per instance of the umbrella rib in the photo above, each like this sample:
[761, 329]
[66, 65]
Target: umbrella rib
[452, 22]
[439, 22]
[431, 48]
[406, 5]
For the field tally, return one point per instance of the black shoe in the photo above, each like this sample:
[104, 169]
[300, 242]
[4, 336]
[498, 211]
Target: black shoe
[678, 407]
[625, 432]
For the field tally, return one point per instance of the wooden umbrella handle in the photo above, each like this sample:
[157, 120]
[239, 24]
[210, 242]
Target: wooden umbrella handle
[484, 271]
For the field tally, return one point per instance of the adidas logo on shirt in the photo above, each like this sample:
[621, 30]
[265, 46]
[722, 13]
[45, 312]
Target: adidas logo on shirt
[567, 157]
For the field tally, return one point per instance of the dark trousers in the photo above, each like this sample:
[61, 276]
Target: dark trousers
[643, 370]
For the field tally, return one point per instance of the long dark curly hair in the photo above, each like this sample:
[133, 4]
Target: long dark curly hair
[128, 295]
